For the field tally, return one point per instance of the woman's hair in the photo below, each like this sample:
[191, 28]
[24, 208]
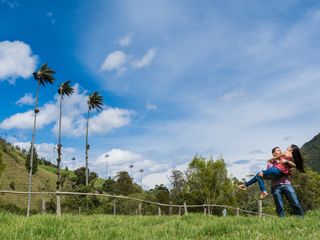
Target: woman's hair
[297, 158]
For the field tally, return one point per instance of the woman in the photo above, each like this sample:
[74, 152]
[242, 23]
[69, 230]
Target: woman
[281, 166]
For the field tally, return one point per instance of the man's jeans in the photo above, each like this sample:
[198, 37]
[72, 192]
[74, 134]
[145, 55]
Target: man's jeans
[286, 189]
[272, 173]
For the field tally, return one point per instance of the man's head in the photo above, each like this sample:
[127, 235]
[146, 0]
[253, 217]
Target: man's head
[276, 151]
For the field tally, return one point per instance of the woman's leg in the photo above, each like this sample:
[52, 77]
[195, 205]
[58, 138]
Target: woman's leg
[258, 179]
[272, 173]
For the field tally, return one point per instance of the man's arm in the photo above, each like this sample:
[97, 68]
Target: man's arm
[275, 158]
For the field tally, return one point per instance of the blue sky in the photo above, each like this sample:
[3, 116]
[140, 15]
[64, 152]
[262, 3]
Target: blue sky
[230, 78]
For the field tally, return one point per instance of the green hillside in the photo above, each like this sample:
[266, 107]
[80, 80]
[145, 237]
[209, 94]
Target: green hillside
[14, 176]
[311, 153]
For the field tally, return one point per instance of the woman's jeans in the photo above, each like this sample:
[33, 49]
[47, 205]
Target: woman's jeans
[287, 190]
[272, 173]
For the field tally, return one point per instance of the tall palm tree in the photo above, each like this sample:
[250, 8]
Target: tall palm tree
[141, 172]
[95, 101]
[64, 90]
[130, 169]
[43, 76]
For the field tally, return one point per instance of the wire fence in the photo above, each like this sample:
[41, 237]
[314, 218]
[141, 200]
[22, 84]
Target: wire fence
[181, 209]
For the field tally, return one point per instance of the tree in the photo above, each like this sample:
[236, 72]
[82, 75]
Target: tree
[43, 76]
[64, 90]
[95, 101]
[208, 181]
[307, 188]
[124, 184]
[178, 185]
[80, 177]
[35, 161]
[161, 192]
[109, 186]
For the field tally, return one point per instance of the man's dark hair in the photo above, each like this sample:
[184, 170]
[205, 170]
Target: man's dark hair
[274, 149]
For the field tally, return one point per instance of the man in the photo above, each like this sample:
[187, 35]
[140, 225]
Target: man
[282, 187]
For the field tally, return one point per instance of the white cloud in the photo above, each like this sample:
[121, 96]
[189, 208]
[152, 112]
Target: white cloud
[233, 95]
[152, 179]
[146, 59]
[16, 60]
[49, 151]
[27, 99]
[125, 41]
[121, 159]
[118, 157]
[11, 3]
[115, 61]
[74, 111]
[151, 106]
[50, 15]
[109, 119]
[47, 115]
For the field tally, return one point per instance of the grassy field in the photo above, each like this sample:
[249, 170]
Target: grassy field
[153, 227]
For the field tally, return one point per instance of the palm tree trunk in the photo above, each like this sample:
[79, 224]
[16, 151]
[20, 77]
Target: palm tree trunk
[87, 148]
[32, 150]
[59, 148]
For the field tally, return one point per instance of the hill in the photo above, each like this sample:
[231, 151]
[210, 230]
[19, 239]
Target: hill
[14, 176]
[311, 153]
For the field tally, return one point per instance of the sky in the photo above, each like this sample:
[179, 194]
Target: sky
[229, 79]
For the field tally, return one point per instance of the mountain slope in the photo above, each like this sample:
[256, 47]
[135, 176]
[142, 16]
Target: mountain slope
[311, 153]
[14, 176]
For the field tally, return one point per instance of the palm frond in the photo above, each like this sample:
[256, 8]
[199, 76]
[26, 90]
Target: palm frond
[66, 89]
[95, 101]
[44, 75]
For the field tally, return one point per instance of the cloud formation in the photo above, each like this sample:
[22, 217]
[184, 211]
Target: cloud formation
[119, 61]
[125, 41]
[74, 117]
[27, 99]
[150, 106]
[49, 151]
[115, 61]
[120, 160]
[146, 59]
[16, 60]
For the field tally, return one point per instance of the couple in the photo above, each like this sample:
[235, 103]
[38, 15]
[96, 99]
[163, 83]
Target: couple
[278, 170]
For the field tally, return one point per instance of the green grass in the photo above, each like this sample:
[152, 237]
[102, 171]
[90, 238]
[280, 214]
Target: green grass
[193, 226]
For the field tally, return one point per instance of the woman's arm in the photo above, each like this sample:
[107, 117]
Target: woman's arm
[290, 163]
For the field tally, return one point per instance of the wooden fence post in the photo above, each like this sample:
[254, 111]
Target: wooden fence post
[209, 210]
[185, 208]
[224, 212]
[237, 211]
[114, 206]
[179, 210]
[58, 205]
[43, 205]
[159, 210]
[79, 210]
[170, 208]
[140, 208]
[204, 209]
[260, 208]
